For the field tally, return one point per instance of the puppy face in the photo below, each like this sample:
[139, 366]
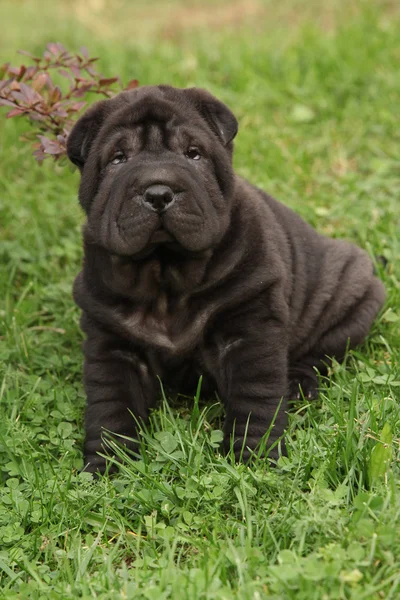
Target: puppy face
[156, 170]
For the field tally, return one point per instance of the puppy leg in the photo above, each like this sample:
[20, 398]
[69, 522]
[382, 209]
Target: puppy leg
[347, 332]
[117, 383]
[251, 377]
[354, 326]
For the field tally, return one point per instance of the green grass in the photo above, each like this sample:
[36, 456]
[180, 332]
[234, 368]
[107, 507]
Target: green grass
[317, 92]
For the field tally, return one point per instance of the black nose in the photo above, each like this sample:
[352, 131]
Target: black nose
[159, 197]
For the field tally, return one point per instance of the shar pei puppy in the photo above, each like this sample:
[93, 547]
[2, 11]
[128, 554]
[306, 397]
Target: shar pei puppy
[190, 270]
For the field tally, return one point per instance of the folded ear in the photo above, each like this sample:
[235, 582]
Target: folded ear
[84, 132]
[219, 117]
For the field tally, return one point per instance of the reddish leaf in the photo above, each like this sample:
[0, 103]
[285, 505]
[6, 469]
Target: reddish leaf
[84, 51]
[40, 81]
[29, 73]
[3, 84]
[77, 106]
[66, 74]
[77, 93]
[29, 94]
[5, 102]
[34, 116]
[84, 80]
[60, 113]
[92, 72]
[107, 81]
[15, 112]
[17, 96]
[55, 49]
[38, 152]
[132, 84]
[15, 71]
[22, 71]
[50, 146]
[81, 91]
[75, 70]
[55, 95]
[4, 69]
[64, 56]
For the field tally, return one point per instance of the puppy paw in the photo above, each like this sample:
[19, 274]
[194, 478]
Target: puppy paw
[303, 387]
[246, 451]
[98, 465]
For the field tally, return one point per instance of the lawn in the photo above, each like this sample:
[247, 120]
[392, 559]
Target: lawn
[316, 89]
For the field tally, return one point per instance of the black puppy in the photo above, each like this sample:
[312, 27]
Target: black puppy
[190, 270]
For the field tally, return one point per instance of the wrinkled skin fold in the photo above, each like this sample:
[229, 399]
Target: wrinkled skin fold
[189, 270]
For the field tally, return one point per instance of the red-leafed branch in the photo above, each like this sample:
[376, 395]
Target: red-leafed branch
[52, 93]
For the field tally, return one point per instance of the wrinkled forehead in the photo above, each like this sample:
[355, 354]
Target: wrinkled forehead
[151, 120]
[154, 107]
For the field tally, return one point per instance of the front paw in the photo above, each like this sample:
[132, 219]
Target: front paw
[98, 465]
[247, 449]
[100, 458]
[303, 387]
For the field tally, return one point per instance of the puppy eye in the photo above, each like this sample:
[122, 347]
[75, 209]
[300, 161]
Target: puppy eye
[118, 158]
[193, 153]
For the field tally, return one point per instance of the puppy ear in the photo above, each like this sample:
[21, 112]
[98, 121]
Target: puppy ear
[219, 117]
[84, 133]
